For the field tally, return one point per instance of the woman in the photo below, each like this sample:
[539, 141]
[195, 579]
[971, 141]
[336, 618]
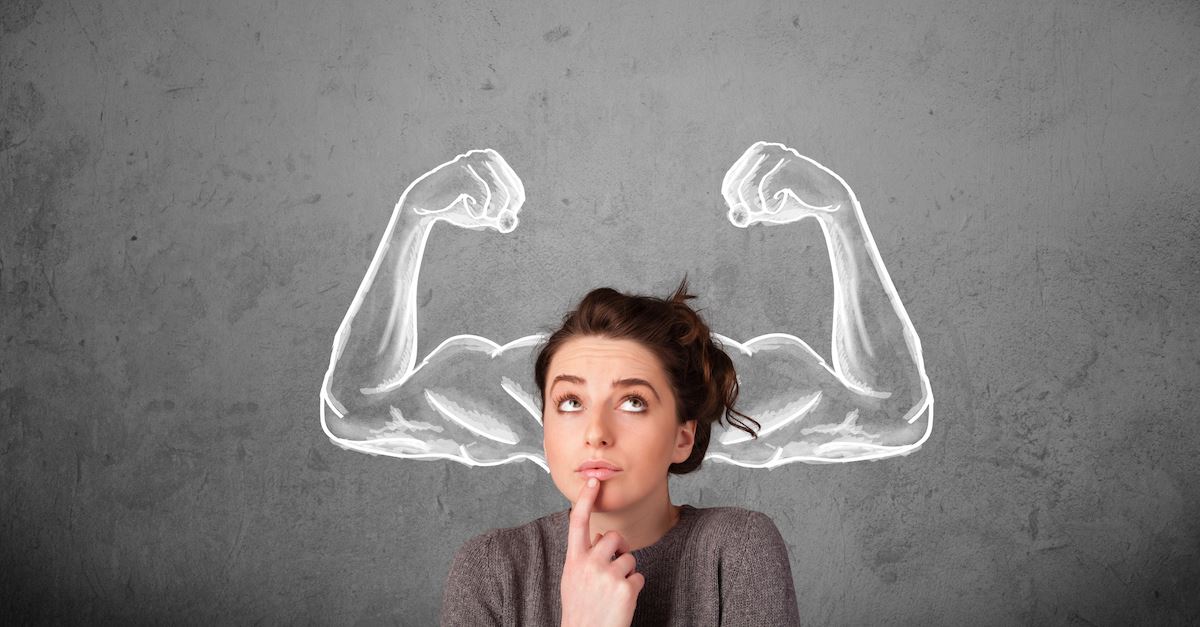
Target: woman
[630, 388]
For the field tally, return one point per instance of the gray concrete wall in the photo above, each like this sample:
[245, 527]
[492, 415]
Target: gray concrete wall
[191, 191]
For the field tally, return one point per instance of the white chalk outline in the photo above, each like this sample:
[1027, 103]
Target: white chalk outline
[504, 221]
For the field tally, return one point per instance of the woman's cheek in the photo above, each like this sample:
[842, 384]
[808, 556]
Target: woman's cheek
[561, 476]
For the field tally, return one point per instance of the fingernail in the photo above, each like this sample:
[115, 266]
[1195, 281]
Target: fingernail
[592, 482]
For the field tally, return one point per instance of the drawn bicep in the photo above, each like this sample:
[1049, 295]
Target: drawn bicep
[470, 401]
[805, 412]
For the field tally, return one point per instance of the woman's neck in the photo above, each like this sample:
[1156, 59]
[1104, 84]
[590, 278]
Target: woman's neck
[641, 524]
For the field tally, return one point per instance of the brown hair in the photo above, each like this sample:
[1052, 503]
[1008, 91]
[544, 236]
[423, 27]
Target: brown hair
[701, 374]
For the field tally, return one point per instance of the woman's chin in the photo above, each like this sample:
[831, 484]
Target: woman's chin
[610, 499]
[605, 507]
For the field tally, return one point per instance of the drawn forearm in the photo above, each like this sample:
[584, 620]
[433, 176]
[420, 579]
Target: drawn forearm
[384, 334]
[397, 348]
[873, 347]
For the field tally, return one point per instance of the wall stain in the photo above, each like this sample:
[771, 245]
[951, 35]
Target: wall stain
[31, 220]
[1081, 374]
[14, 404]
[316, 462]
[157, 406]
[15, 15]
[558, 33]
[155, 478]
[249, 407]
[24, 107]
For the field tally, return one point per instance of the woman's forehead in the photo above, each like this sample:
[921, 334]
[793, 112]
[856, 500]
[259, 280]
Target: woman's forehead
[605, 357]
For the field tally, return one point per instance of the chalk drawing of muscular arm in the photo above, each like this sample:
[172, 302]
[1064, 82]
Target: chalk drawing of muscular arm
[470, 400]
[874, 401]
[474, 401]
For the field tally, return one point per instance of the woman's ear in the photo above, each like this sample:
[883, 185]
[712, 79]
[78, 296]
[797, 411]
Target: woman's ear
[685, 437]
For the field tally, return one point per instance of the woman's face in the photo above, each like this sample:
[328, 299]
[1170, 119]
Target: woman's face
[611, 400]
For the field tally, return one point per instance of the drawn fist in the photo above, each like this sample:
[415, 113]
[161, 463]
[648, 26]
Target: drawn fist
[477, 190]
[773, 184]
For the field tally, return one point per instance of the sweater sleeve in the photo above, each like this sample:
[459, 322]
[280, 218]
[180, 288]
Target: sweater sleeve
[756, 584]
[473, 594]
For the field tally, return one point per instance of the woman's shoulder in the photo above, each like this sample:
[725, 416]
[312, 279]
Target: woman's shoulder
[506, 575]
[728, 515]
[518, 540]
[734, 525]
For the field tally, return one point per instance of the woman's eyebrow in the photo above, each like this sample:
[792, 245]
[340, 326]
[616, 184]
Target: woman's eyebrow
[569, 378]
[632, 381]
[619, 383]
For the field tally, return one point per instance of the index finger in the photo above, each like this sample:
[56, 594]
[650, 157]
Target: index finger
[748, 189]
[577, 533]
[486, 203]
[737, 173]
[509, 180]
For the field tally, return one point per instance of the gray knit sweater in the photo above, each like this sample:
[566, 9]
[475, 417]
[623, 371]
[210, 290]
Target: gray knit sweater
[716, 566]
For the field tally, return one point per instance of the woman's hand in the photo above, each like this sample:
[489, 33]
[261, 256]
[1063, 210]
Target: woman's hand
[773, 184]
[476, 190]
[597, 589]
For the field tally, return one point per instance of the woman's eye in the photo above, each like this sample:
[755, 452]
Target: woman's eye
[634, 404]
[570, 405]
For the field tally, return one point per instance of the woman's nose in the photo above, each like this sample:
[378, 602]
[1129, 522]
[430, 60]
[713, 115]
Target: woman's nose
[598, 431]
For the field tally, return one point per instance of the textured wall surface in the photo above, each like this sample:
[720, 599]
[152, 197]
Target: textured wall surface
[190, 193]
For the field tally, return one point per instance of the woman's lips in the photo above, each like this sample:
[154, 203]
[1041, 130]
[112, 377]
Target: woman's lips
[599, 473]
